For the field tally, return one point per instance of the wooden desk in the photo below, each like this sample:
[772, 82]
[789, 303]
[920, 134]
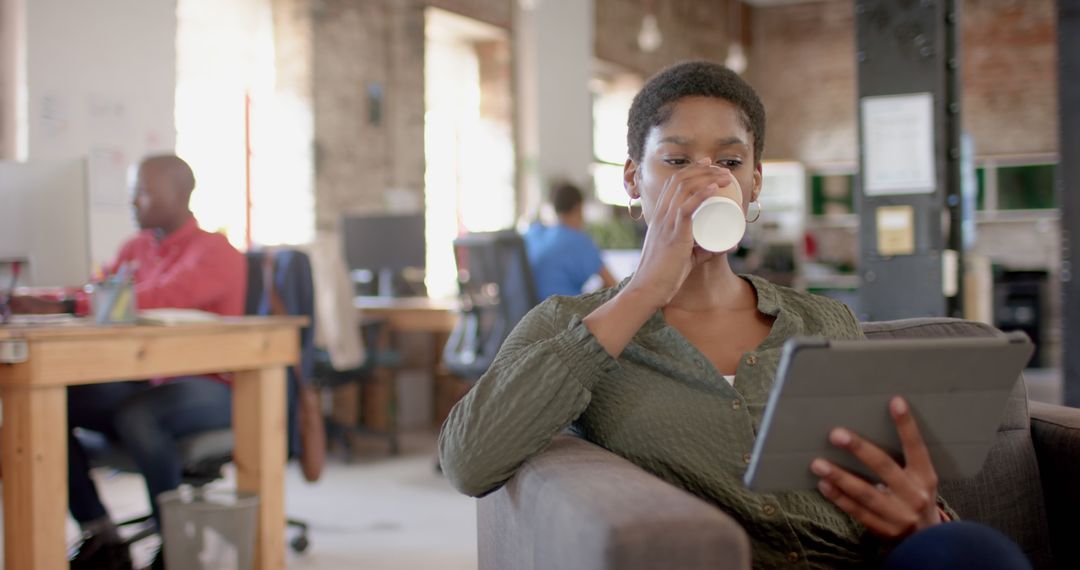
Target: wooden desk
[34, 435]
[410, 314]
[436, 317]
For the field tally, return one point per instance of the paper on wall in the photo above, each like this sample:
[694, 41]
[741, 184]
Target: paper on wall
[898, 144]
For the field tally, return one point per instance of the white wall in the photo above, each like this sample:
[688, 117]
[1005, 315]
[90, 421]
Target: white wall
[100, 84]
[553, 66]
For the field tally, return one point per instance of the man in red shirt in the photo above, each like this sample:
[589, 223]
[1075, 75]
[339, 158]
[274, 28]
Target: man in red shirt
[175, 265]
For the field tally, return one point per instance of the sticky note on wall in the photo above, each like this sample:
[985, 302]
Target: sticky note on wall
[895, 230]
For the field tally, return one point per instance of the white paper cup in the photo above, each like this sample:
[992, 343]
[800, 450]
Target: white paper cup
[718, 224]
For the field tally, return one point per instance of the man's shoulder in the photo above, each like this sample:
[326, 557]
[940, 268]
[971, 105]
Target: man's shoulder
[535, 237]
[579, 240]
[215, 241]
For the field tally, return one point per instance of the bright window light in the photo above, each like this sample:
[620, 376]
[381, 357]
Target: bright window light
[611, 103]
[469, 180]
[225, 62]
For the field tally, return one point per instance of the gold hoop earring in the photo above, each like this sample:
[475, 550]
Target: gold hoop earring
[757, 214]
[630, 210]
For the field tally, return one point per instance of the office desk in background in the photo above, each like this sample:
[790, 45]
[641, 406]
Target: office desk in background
[434, 317]
[34, 435]
[410, 314]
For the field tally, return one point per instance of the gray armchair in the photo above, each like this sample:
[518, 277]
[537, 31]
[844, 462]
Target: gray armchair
[579, 506]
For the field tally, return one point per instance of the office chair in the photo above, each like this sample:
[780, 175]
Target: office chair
[203, 455]
[377, 357]
[294, 289]
[497, 289]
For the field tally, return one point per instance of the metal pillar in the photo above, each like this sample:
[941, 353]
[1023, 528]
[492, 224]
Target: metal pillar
[904, 49]
[1068, 38]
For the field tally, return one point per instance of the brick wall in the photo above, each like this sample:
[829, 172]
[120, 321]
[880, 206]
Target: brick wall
[1010, 75]
[365, 147]
[802, 63]
[358, 43]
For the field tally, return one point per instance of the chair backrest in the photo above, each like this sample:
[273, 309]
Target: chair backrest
[497, 289]
[289, 271]
[1007, 493]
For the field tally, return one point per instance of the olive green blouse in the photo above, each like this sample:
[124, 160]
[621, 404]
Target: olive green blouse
[662, 405]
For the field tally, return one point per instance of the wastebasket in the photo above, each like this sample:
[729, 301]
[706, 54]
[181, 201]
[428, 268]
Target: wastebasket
[211, 529]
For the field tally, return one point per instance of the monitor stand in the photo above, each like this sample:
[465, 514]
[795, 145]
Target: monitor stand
[386, 284]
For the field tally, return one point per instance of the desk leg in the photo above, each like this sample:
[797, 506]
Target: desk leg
[34, 445]
[260, 426]
[377, 396]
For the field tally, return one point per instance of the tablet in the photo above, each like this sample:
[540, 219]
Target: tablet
[957, 389]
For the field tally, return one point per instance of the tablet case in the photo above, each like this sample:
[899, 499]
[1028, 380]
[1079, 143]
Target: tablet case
[957, 389]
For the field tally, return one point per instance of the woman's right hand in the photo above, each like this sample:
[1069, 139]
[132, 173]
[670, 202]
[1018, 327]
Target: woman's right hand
[669, 253]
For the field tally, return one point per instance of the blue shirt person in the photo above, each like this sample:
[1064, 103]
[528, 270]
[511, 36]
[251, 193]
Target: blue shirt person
[563, 257]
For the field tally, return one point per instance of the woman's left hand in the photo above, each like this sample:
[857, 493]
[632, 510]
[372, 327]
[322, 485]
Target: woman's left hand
[906, 499]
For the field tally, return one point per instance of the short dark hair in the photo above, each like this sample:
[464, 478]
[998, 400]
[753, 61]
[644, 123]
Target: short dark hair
[565, 197]
[653, 105]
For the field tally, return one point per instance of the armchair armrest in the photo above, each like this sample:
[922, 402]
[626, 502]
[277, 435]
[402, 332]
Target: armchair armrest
[1055, 432]
[577, 505]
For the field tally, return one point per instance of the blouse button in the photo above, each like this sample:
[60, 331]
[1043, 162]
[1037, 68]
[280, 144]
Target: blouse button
[792, 557]
[746, 458]
[736, 404]
[751, 360]
[769, 510]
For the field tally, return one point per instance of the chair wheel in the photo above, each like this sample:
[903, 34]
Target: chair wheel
[299, 544]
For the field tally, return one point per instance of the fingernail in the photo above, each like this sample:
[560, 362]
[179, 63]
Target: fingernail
[706, 161]
[824, 486]
[840, 436]
[899, 407]
[713, 187]
[820, 467]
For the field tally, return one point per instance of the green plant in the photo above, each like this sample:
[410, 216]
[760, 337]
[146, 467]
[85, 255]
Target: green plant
[614, 234]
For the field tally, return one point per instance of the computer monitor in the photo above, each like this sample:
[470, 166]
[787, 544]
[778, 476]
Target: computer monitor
[385, 252]
[44, 223]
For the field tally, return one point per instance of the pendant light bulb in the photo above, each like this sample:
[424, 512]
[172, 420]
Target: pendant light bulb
[736, 58]
[649, 38]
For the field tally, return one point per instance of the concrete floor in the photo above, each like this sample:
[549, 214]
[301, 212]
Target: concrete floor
[377, 513]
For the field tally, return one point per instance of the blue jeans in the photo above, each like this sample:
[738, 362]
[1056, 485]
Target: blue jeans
[957, 545]
[147, 421]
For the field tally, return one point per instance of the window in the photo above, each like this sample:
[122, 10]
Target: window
[611, 103]
[468, 139]
[1006, 184]
[230, 120]
[832, 194]
[1028, 187]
